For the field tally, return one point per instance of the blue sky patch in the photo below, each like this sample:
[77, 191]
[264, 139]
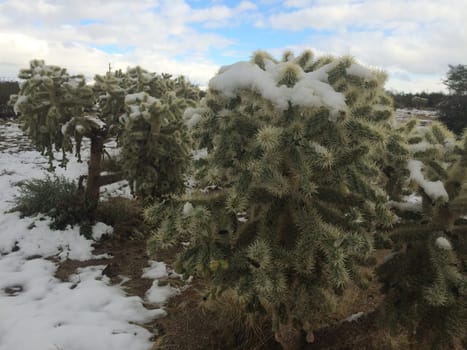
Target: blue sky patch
[114, 49]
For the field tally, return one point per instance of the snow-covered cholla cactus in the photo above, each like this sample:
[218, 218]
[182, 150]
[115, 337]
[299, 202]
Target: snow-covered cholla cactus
[48, 98]
[58, 110]
[55, 108]
[290, 190]
[156, 144]
[426, 280]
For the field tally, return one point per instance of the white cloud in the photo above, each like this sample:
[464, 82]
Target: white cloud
[383, 14]
[221, 15]
[221, 12]
[417, 39]
[414, 84]
[400, 78]
[81, 59]
[154, 34]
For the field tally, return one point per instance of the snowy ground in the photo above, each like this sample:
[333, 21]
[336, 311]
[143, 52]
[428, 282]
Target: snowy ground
[425, 116]
[38, 311]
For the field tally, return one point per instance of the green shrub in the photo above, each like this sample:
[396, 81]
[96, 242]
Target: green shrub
[452, 107]
[124, 214]
[56, 197]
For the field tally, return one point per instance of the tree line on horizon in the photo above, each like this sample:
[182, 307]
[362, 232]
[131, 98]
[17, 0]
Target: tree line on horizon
[423, 100]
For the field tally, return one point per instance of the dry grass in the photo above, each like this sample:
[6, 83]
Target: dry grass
[240, 329]
[124, 214]
[195, 322]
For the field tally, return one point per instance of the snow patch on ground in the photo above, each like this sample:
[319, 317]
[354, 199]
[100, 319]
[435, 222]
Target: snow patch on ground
[38, 311]
[159, 294]
[116, 189]
[424, 116]
[34, 238]
[100, 229]
[158, 269]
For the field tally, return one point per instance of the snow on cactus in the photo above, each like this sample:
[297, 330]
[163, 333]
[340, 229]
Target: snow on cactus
[443, 243]
[433, 189]
[155, 142]
[54, 109]
[425, 284]
[143, 110]
[289, 190]
[48, 99]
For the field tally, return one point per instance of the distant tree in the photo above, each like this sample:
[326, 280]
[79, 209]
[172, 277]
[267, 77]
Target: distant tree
[434, 98]
[456, 80]
[453, 108]
[406, 100]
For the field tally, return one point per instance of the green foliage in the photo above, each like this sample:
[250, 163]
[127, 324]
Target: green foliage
[124, 215]
[155, 141]
[453, 108]
[142, 110]
[453, 112]
[456, 80]
[48, 99]
[118, 210]
[425, 281]
[406, 100]
[55, 197]
[290, 190]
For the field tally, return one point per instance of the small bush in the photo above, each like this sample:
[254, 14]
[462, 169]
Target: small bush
[125, 215]
[56, 197]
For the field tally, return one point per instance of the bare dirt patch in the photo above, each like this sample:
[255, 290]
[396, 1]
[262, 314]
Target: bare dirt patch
[129, 258]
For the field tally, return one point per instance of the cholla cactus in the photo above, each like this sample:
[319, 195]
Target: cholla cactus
[47, 100]
[426, 280]
[155, 142]
[56, 109]
[290, 189]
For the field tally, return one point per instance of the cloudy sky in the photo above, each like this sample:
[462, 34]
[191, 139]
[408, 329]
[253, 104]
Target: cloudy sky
[413, 40]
